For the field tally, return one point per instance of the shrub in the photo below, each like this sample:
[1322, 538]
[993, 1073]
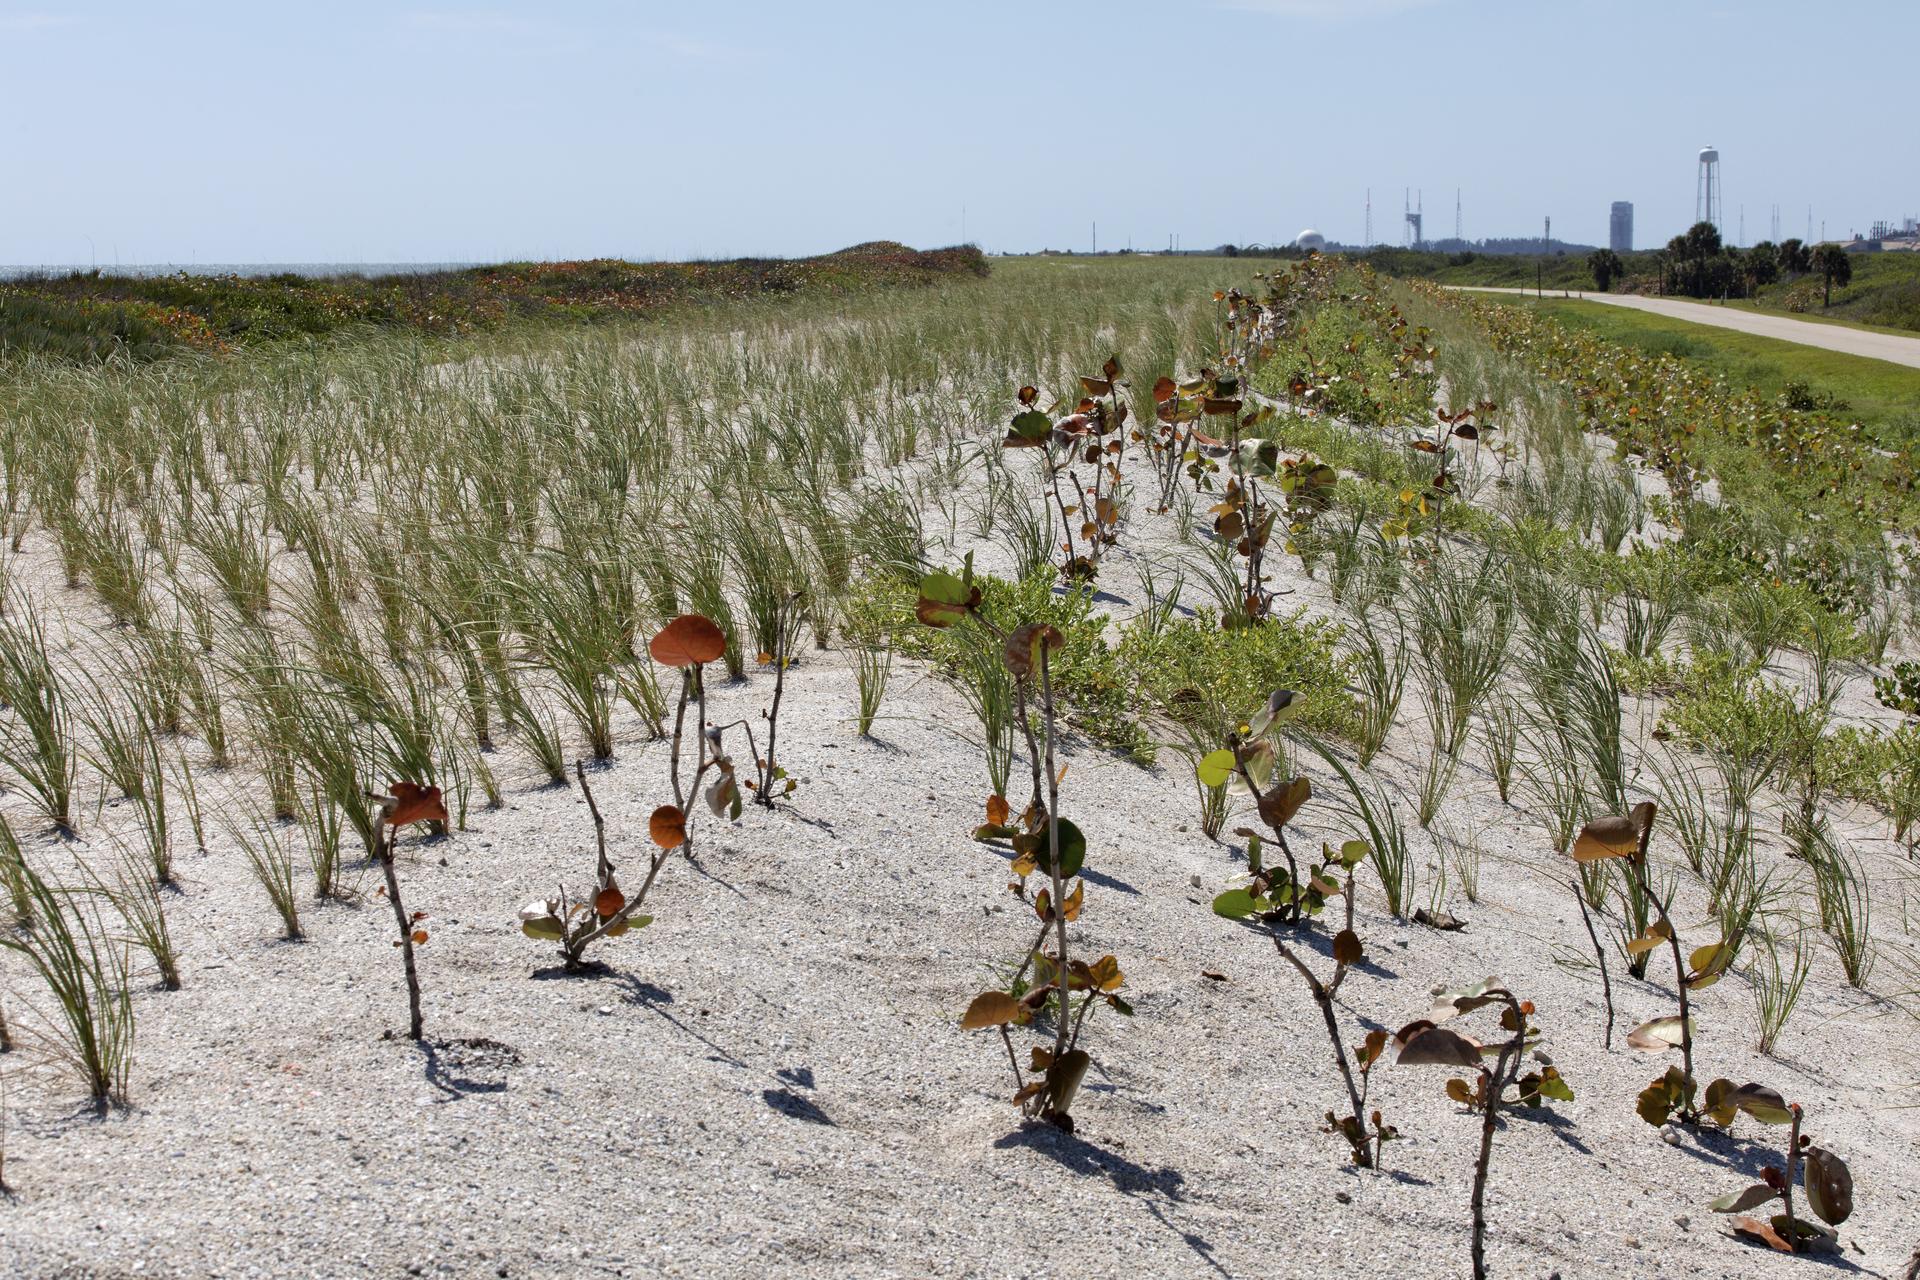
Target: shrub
[1195, 660]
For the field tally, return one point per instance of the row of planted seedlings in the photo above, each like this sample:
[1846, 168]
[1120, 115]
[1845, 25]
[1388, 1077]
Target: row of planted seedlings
[1465, 618]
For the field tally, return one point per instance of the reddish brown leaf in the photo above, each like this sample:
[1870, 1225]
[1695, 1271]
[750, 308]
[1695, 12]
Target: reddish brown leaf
[668, 827]
[415, 803]
[990, 1009]
[1762, 1231]
[688, 641]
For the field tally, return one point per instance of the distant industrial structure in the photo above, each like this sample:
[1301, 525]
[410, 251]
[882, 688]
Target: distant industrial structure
[1887, 236]
[1620, 227]
[1414, 214]
[1706, 188]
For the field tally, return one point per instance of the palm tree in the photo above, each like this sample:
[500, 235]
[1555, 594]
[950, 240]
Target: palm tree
[1605, 265]
[1833, 263]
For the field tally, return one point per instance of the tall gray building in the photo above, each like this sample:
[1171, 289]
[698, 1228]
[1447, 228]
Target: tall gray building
[1620, 227]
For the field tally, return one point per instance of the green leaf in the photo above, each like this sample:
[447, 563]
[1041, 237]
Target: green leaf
[1741, 1201]
[543, 928]
[1234, 904]
[1215, 768]
[1554, 1085]
[1073, 849]
[1032, 425]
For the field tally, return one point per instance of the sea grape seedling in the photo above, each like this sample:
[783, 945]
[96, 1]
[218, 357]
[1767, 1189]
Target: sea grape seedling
[1080, 437]
[1425, 1042]
[407, 802]
[1450, 425]
[1050, 844]
[1624, 837]
[575, 922]
[687, 644]
[1828, 1184]
[1246, 766]
[773, 781]
[1366, 1133]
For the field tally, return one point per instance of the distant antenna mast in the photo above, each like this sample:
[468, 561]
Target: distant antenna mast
[1776, 224]
[1456, 215]
[1546, 236]
[1369, 239]
[1742, 237]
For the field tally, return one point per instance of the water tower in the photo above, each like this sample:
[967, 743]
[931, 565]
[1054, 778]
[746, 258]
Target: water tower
[1706, 194]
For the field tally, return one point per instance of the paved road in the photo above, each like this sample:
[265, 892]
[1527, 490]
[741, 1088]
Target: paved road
[1855, 342]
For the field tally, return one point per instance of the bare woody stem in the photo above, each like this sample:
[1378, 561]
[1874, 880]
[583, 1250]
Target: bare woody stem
[773, 727]
[384, 852]
[1026, 964]
[1033, 747]
[1599, 955]
[1493, 1084]
[1053, 845]
[1053, 481]
[1793, 1167]
[1691, 1113]
[1323, 993]
[601, 865]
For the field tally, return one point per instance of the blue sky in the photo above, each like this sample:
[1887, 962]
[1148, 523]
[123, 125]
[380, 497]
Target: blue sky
[283, 131]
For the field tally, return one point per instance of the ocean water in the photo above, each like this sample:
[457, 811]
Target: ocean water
[242, 269]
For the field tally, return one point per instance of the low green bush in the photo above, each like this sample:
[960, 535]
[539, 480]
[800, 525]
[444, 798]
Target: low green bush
[1193, 661]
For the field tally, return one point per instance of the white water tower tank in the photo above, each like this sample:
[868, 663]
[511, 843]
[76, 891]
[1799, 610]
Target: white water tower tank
[1310, 240]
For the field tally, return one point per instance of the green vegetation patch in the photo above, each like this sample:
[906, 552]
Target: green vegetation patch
[1882, 395]
[91, 315]
[1187, 669]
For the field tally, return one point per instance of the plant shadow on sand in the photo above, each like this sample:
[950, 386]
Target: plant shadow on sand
[1305, 935]
[1154, 1188]
[461, 1067]
[785, 1099]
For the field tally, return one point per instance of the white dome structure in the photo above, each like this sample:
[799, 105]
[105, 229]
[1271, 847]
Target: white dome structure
[1310, 240]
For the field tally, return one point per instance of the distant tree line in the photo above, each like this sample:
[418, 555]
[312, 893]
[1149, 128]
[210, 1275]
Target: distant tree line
[1698, 264]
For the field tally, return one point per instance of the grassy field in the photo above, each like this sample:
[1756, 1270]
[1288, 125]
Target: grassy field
[1884, 293]
[1884, 396]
